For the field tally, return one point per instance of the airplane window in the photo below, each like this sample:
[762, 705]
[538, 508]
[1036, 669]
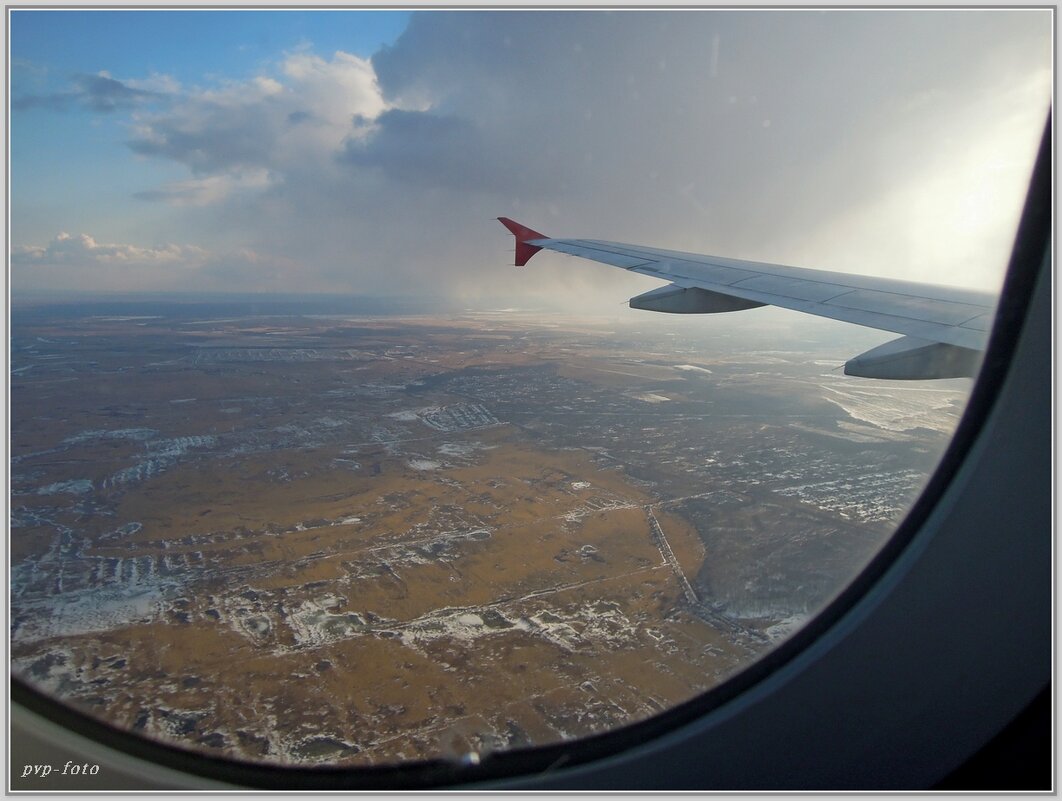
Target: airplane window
[303, 472]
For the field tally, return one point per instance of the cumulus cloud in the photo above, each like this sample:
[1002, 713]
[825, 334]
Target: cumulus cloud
[298, 116]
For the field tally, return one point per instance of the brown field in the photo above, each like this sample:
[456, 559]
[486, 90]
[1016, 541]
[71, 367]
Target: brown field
[360, 540]
[356, 598]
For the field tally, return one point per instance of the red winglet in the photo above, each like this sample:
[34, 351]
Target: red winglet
[522, 233]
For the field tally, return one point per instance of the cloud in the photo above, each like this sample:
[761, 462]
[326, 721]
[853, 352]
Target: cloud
[79, 261]
[297, 116]
[84, 250]
[209, 190]
[422, 148]
[59, 101]
[787, 136]
[848, 140]
[102, 93]
[99, 93]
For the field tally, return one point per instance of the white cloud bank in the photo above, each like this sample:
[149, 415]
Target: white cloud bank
[83, 250]
[82, 262]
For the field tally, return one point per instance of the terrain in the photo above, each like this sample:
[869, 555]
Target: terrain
[361, 538]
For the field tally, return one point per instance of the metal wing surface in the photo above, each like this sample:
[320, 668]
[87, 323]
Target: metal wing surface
[958, 320]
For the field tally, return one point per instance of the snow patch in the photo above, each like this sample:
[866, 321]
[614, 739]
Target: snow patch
[784, 628]
[458, 417]
[77, 486]
[462, 450]
[424, 464]
[139, 434]
[898, 410]
[651, 397]
[692, 368]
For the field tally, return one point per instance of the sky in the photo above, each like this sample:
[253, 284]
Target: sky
[356, 152]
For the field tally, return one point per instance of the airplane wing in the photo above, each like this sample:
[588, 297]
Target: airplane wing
[944, 329]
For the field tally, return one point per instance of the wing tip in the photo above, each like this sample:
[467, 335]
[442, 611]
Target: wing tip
[522, 233]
